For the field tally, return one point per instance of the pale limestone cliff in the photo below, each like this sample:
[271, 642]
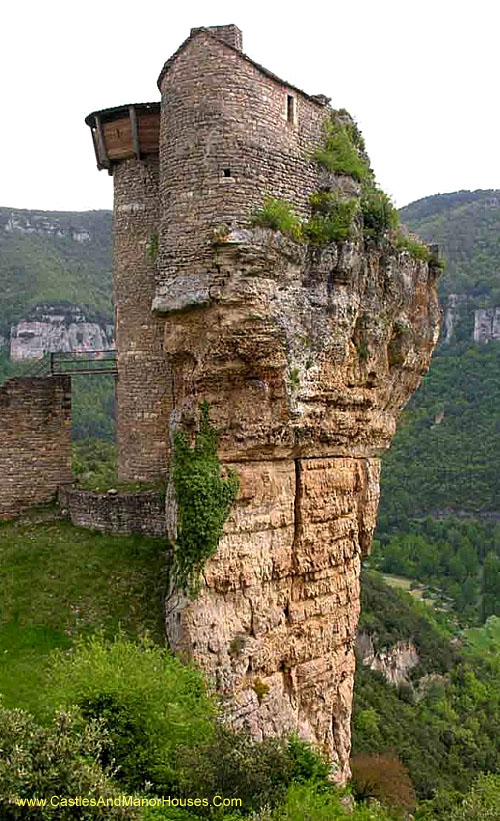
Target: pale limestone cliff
[58, 328]
[486, 324]
[306, 357]
[395, 662]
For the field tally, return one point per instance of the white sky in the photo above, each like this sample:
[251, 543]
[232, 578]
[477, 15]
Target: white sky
[421, 79]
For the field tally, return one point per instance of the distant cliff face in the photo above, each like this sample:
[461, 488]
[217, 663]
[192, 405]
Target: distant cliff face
[306, 357]
[395, 662]
[486, 324]
[49, 259]
[84, 227]
[44, 224]
[58, 328]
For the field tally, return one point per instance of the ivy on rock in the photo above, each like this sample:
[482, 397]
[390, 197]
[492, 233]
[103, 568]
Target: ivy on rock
[204, 498]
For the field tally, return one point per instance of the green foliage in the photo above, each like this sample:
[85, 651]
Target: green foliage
[58, 582]
[341, 151]
[93, 407]
[481, 803]
[294, 381]
[62, 759]
[390, 616]
[466, 226]
[95, 464]
[452, 468]
[204, 499]
[484, 639]
[36, 269]
[451, 557]
[304, 802]
[152, 247]
[379, 214]
[449, 730]
[260, 689]
[236, 645]
[150, 703]
[234, 764]
[332, 218]
[417, 249]
[278, 214]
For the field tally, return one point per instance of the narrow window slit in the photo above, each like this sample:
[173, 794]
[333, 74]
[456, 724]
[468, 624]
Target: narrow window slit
[226, 172]
[290, 108]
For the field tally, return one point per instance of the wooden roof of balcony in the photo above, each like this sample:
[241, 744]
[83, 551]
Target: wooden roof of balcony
[124, 132]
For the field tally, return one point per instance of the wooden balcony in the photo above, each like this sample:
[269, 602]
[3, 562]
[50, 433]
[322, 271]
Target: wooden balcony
[124, 132]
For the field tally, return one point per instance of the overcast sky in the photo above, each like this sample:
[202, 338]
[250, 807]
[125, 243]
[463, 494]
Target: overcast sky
[420, 78]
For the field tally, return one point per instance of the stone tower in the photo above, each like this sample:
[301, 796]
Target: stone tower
[126, 143]
[306, 355]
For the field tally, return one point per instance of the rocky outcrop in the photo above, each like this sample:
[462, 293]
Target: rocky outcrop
[394, 662]
[43, 223]
[306, 357]
[59, 328]
[486, 324]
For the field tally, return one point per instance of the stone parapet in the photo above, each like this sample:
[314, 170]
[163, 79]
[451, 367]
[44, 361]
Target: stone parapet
[132, 512]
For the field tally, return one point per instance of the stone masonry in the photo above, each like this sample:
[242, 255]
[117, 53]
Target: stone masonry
[35, 441]
[142, 390]
[306, 356]
[126, 512]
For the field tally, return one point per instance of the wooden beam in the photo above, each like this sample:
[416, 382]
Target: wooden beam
[103, 154]
[94, 143]
[135, 131]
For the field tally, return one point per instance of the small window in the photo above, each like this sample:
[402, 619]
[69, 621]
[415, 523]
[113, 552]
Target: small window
[290, 108]
[226, 172]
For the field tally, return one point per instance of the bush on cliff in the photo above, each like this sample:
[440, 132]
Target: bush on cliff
[278, 215]
[62, 759]
[151, 705]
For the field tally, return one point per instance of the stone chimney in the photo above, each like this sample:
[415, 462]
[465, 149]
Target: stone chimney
[231, 35]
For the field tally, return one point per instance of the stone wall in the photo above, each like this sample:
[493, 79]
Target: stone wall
[143, 390]
[35, 441]
[225, 142]
[134, 512]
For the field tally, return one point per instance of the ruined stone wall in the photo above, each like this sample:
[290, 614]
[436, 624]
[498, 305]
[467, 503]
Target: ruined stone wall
[143, 389]
[35, 441]
[221, 115]
[133, 512]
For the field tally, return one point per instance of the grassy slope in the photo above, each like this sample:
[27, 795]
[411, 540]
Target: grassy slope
[453, 465]
[466, 225]
[38, 268]
[58, 582]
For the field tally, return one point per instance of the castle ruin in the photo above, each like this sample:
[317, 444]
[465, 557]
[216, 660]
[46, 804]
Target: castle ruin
[306, 355]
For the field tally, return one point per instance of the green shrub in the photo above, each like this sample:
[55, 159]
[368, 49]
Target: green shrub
[341, 152]
[379, 214]
[332, 218]
[482, 802]
[304, 802]
[62, 759]
[204, 499]
[417, 249]
[278, 214]
[150, 703]
[235, 764]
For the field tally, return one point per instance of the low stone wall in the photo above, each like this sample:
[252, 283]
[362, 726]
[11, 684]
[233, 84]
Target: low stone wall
[35, 441]
[134, 512]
